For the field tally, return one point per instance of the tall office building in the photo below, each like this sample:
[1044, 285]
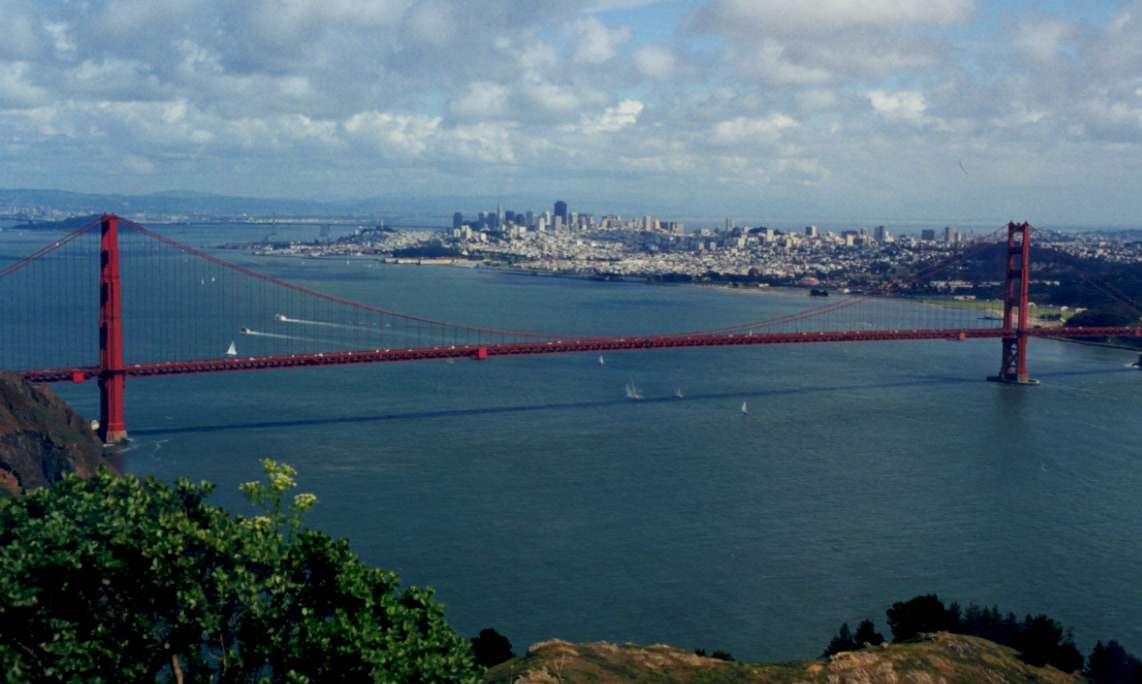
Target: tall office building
[457, 220]
[881, 235]
[950, 235]
[561, 210]
[811, 231]
[928, 234]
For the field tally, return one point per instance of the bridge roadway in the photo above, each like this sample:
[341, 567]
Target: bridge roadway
[579, 345]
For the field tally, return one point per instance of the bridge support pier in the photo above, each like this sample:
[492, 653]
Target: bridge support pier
[112, 379]
[1013, 360]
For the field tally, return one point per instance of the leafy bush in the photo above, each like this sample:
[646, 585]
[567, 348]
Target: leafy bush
[132, 580]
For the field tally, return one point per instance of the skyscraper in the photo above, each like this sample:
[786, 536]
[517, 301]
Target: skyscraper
[950, 235]
[561, 210]
[457, 220]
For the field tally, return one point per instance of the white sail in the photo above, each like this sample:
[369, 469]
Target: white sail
[232, 350]
[602, 361]
[745, 408]
[678, 393]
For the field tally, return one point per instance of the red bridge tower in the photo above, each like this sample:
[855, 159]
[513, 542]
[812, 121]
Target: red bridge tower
[1013, 367]
[112, 379]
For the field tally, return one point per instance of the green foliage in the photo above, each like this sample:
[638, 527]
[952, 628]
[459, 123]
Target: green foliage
[119, 579]
[490, 648]
[1113, 315]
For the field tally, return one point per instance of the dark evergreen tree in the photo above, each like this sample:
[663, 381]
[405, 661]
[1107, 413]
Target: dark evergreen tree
[490, 648]
[866, 634]
[1112, 664]
[843, 641]
[921, 614]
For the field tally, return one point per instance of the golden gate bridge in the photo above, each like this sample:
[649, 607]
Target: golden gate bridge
[166, 308]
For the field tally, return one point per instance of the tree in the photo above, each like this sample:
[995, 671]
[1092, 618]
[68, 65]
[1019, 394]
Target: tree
[866, 634]
[842, 641]
[921, 614]
[490, 648]
[1043, 641]
[133, 580]
[1112, 664]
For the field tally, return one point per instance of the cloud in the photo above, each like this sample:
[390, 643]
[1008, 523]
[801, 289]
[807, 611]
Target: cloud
[1041, 40]
[612, 119]
[482, 99]
[797, 17]
[594, 42]
[752, 130]
[656, 62]
[907, 106]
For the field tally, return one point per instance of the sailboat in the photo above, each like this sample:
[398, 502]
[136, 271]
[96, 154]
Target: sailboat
[602, 361]
[232, 350]
[632, 391]
[678, 393]
[745, 409]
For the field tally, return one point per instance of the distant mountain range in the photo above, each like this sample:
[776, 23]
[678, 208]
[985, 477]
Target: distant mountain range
[403, 209]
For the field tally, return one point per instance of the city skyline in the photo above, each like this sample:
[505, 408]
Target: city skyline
[951, 109]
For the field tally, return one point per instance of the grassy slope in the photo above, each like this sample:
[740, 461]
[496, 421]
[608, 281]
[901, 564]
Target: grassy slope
[940, 657]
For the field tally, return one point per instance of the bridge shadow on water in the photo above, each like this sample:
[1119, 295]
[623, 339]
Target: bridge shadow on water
[580, 405]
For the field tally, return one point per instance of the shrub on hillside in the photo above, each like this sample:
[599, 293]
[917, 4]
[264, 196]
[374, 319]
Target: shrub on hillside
[132, 580]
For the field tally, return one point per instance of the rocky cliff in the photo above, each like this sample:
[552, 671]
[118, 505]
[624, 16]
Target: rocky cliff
[933, 659]
[41, 438]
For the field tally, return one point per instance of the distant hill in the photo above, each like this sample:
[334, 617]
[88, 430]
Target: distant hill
[41, 438]
[396, 208]
[939, 657]
[67, 224]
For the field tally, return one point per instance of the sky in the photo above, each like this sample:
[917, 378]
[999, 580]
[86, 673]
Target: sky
[969, 110]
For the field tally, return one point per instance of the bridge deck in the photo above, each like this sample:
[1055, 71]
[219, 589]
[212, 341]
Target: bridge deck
[579, 345]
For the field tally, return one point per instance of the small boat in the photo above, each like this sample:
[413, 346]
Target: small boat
[678, 393]
[745, 409]
[602, 361]
[232, 350]
[632, 392]
[246, 331]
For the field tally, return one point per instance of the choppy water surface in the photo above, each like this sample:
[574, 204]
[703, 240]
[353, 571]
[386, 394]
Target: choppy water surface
[538, 500]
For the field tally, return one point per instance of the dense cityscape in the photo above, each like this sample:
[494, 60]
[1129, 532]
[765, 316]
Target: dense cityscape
[568, 243]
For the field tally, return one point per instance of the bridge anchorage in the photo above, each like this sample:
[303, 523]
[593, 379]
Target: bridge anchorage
[180, 320]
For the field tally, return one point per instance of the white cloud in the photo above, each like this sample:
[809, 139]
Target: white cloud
[816, 100]
[656, 62]
[137, 164]
[15, 89]
[482, 99]
[799, 17]
[751, 130]
[768, 61]
[1041, 40]
[594, 43]
[907, 106]
[612, 119]
[403, 135]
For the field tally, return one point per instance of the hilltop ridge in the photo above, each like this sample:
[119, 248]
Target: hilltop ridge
[931, 658]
